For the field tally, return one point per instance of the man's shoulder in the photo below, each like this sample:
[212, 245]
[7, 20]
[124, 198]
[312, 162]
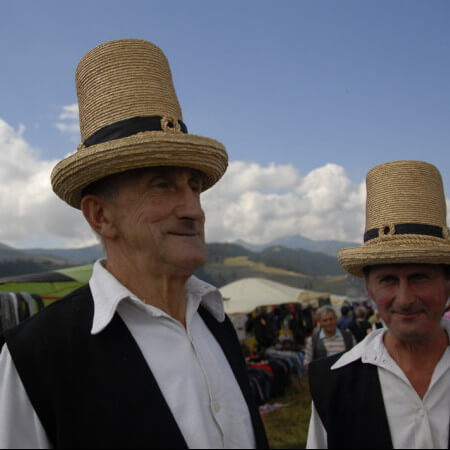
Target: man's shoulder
[53, 318]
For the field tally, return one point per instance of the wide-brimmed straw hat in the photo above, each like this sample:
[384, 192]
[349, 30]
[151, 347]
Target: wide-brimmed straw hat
[130, 118]
[406, 218]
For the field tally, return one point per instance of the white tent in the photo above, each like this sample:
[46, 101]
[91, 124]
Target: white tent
[244, 296]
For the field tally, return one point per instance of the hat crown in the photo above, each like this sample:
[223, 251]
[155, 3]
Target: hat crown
[121, 80]
[404, 192]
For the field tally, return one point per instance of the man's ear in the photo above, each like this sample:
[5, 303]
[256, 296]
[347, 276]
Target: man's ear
[98, 213]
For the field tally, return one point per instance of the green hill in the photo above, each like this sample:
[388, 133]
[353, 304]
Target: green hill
[227, 263]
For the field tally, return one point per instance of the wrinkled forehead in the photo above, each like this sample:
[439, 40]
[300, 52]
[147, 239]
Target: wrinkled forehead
[403, 269]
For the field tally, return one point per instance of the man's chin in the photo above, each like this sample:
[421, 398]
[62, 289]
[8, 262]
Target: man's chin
[188, 263]
[410, 332]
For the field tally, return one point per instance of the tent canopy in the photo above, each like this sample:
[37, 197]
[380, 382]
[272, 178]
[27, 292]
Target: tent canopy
[244, 296]
[49, 285]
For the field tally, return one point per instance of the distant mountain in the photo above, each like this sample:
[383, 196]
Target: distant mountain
[300, 260]
[85, 255]
[293, 267]
[330, 248]
[227, 262]
[18, 262]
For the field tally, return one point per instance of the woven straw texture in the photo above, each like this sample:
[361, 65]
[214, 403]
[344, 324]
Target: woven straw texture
[401, 192]
[121, 80]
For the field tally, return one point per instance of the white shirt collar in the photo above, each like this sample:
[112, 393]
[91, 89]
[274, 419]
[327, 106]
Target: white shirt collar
[108, 292]
[372, 349]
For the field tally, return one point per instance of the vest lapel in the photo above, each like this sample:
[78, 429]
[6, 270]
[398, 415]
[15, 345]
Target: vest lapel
[350, 403]
[141, 398]
[226, 337]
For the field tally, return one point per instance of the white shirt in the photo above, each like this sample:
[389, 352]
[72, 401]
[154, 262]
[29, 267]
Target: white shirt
[190, 368]
[414, 423]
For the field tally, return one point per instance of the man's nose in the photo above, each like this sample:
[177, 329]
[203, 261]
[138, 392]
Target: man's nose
[189, 205]
[405, 293]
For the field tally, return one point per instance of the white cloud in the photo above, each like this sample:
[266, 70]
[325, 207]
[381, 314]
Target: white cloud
[68, 122]
[27, 203]
[69, 112]
[260, 204]
[252, 202]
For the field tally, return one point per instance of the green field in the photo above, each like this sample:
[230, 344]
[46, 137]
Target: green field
[288, 427]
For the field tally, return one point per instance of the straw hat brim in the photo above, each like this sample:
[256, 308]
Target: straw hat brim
[148, 149]
[415, 250]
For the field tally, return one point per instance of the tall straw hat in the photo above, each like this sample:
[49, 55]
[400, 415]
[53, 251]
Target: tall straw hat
[406, 218]
[130, 118]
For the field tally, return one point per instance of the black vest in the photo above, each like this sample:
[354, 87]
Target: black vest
[350, 404]
[98, 391]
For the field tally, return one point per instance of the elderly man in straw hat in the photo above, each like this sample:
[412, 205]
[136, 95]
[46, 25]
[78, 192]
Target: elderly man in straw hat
[144, 356]
[393, 389]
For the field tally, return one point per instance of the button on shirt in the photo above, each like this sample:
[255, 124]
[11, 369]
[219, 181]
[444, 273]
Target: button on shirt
[414, 422]
[190, 367]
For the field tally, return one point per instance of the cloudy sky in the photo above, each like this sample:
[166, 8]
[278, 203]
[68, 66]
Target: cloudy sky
[307, 96]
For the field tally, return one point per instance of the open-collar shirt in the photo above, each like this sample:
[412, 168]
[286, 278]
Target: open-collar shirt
[189, 366]
[414, 422]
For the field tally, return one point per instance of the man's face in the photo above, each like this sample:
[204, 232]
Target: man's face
[328, 322]
[410, 298]
[158, 216]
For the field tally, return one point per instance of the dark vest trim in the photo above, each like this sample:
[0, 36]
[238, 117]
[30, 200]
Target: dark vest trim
[406, 228]
[129, 127]
[350, 404]
[98, 391]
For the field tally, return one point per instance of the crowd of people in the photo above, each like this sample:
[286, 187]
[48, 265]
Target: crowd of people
[289, 326]
[282, 340]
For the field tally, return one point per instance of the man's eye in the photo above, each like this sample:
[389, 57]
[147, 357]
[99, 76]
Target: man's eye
[196, 185]
[387, 280]
[161, 184]
[419, 277]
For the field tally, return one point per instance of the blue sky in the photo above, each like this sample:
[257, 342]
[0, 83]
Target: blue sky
[302, 82]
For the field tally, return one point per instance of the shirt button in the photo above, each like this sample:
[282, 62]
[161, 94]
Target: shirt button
[216, 407]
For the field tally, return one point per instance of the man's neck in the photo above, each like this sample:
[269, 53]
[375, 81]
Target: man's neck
[163, 289]
[418, 359]
[330, 334]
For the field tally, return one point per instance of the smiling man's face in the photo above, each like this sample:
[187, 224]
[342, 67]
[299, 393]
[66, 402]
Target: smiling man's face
[159, 216]
[411, 298]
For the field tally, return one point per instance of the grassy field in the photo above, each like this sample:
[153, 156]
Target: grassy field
[288, 427]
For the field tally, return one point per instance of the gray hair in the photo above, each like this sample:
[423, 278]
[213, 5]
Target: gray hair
[361, 312]
[324, 310]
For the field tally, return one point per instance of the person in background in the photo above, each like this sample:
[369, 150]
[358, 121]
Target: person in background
[393, 389]
[264, 330]
[328, 340]
[346, 318]
[360, 326]
[376, 322]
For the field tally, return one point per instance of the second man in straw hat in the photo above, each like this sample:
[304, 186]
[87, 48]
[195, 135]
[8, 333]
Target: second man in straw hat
[144, 356]
[393, 389]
